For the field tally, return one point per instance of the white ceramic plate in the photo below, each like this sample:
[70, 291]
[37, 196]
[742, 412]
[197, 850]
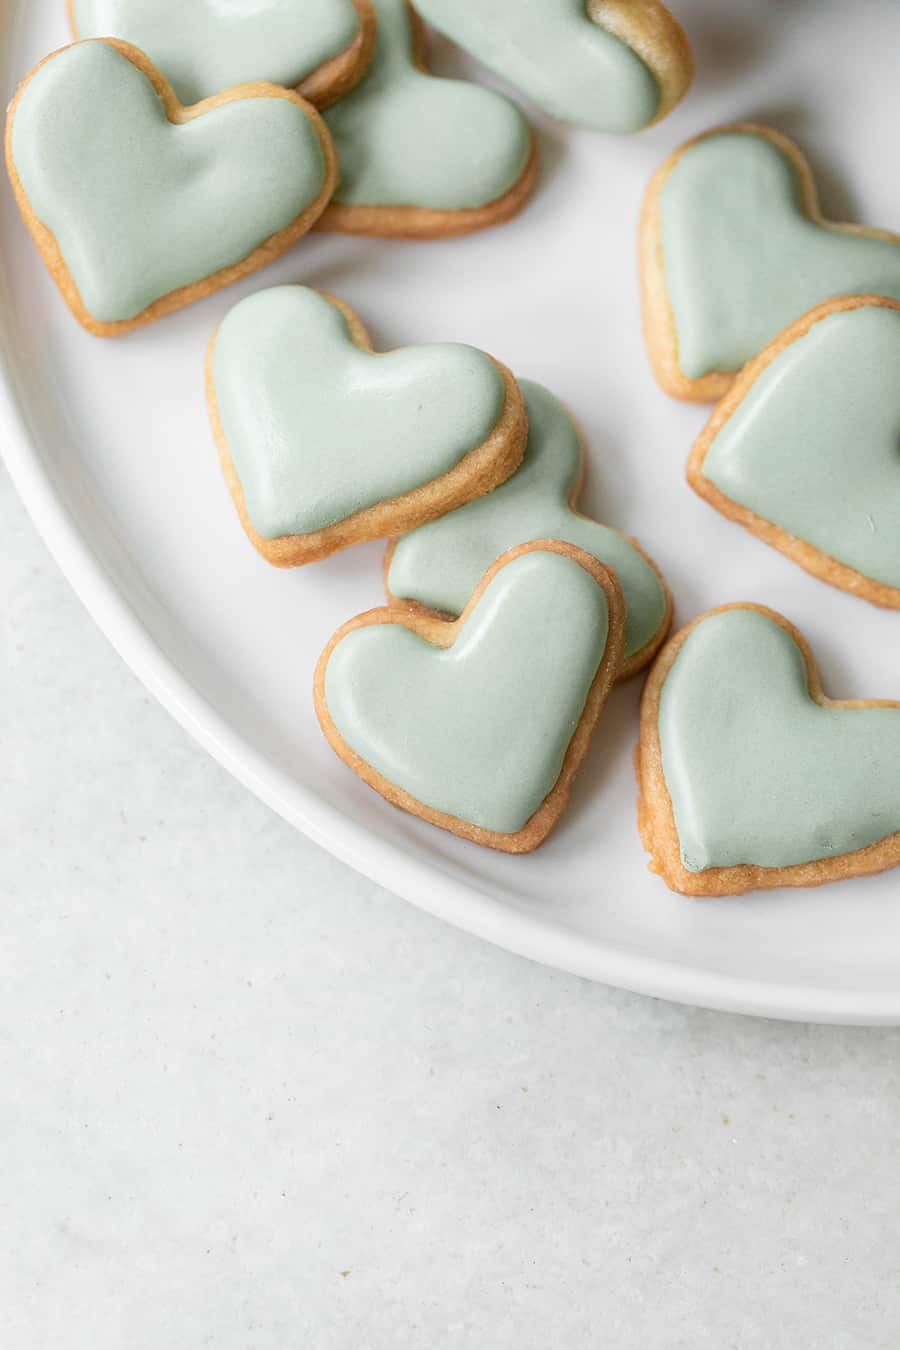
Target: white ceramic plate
[109, 446]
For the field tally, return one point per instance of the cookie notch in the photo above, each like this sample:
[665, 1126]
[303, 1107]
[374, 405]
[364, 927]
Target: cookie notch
[629, 667]
[656, 816]
[424, 222]
[660, 332]
[638, 659]
[812, 559]
[477, 472]
[443, 633]
[334, 78]
[178, 114]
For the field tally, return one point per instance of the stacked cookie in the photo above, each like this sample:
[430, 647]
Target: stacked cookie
[470, 697]
[198, 173]
[793, 322]
[181, 145]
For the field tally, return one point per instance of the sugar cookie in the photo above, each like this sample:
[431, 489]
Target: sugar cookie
[479, 726]
[439, 565]
[749, 776]
[319, 47]
[612, 65]
[734, 248]
[139, 206]
[423, 157]
[802, 451]
[325, 444]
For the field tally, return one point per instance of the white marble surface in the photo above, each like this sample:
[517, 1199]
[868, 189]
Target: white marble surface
[250, 1101]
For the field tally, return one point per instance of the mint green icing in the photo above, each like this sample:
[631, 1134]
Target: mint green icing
[409, 139]
[479, 730]
[757, 772]
[205, 46]
[741, 258]
[556, 54]
[441, 563]
[318, 429]
[815, 445]
[140, 207]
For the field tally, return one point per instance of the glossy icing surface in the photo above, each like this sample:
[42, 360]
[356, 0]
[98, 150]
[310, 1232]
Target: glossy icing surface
[760, 774]
[409, 139]
[554, 52]
[741, 258]
[139, 206]
[480, 730]
[441, 563]
[318, 429]
[205, 46]
[815, 445]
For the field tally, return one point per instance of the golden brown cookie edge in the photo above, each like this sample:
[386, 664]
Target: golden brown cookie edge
[443, 633]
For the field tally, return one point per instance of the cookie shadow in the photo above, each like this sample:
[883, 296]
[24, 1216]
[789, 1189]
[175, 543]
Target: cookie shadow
[330, 260]
[609, 484]
[551, 141]
[725, 45]
[609, 756]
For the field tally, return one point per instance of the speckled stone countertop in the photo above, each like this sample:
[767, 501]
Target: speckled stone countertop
[250, 1101]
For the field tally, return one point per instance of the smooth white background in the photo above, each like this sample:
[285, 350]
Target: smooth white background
[232, 1070]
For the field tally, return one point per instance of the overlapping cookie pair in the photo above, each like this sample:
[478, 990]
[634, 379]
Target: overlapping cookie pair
[192, 147]
[750, 296]
[179, 145]
[749, 776]
[471, 697]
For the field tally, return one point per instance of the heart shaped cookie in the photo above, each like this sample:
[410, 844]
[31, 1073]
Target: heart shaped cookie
[325, 444]
[612, 65]
[139, 206]
[479, 726]
[319, 47]
[749, 776]
[734, 249]
[802, 451]
[439, 565]
[423, 157]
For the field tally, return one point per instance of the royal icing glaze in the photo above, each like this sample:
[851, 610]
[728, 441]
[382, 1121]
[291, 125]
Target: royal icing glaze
[205, 46]
[812, 447]
[139, 206]
[406, 138]
[441, 563]
[318, 429]
[479, 730]
[556, 54]
[742, 259]
[758, 773]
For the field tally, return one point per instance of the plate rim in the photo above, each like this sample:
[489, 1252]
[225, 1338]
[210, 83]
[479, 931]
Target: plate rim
[547, 941]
